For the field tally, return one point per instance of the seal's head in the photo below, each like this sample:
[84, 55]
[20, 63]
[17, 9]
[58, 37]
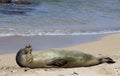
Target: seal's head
[23, 55]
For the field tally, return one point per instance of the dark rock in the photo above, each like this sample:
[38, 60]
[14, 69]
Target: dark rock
[75, 73]
[22, 2]
[5, 1]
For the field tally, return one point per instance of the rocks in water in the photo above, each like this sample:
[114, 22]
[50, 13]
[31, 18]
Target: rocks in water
[16, 1]
[22, 2]
[5, 1]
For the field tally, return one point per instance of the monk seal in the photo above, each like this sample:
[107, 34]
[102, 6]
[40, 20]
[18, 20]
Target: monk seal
[57, 58]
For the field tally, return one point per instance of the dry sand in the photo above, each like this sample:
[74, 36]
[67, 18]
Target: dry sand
[106, 46]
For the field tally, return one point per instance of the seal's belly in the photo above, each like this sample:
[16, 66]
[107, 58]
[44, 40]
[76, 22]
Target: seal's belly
[51, 59]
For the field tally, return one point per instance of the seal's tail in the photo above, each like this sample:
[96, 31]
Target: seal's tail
[106, 60]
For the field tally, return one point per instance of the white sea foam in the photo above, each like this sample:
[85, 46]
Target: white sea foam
[54, 33]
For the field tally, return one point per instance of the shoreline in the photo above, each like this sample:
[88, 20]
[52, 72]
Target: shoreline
[105, 46]
[14, 43]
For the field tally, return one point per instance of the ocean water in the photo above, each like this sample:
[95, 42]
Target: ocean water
[60, 17]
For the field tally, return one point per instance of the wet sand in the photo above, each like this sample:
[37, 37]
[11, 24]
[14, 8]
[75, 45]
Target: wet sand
[14, 43]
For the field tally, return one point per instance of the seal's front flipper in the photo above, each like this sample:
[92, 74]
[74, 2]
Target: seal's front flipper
[58, 62]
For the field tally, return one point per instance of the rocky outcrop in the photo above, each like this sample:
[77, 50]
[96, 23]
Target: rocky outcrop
[5, 1]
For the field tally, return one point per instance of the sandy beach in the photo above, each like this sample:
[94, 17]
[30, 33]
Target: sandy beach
[105, 46]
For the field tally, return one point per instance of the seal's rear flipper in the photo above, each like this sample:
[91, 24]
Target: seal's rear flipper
[58, 62]
[106, 60]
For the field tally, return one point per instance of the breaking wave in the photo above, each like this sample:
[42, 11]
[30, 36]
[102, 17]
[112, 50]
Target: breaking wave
[30, 33]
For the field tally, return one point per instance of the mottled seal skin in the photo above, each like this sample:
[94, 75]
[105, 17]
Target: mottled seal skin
[57, 58]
